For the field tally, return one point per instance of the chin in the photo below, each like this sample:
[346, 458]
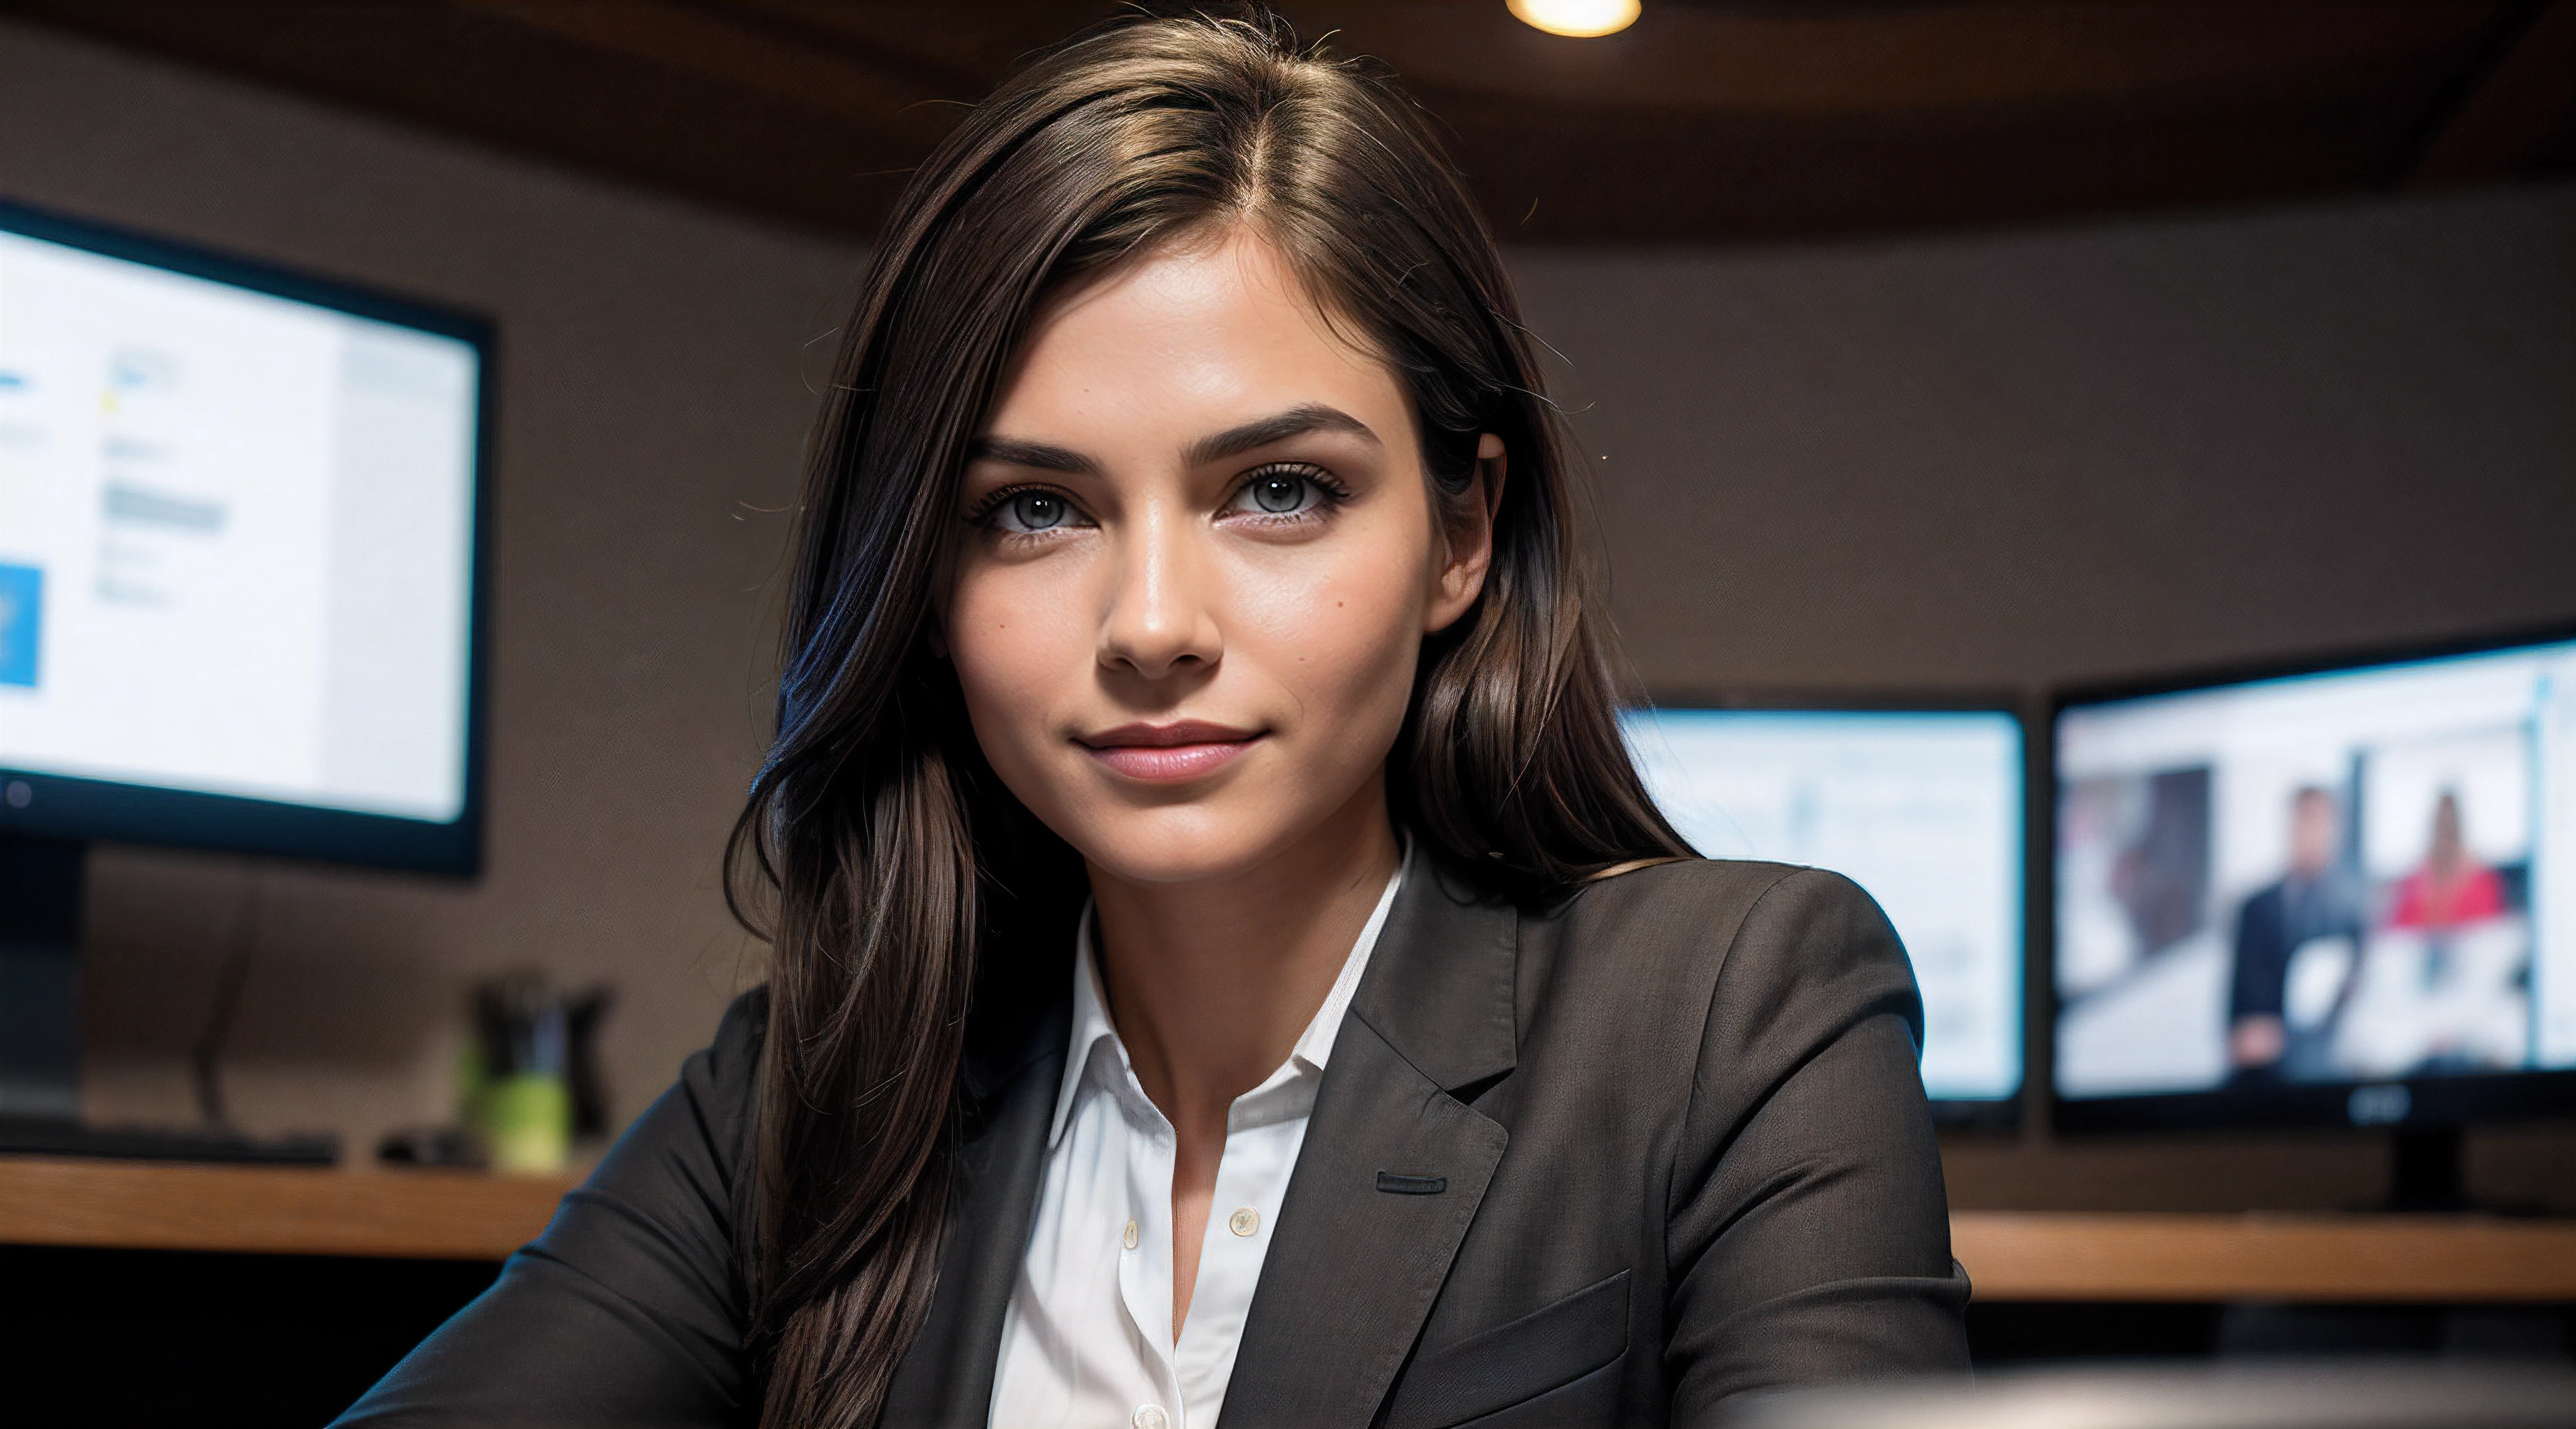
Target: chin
[1174, 843]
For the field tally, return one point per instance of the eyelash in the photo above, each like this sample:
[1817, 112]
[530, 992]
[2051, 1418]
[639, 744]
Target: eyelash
[1330, 493]
[993, 501]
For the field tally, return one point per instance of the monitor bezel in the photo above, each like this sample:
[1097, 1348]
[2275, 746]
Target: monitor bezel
[2004, 1113]
[2432, 1103]
[65, 807]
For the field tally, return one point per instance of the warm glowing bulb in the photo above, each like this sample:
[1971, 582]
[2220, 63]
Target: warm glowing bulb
[1582, 19]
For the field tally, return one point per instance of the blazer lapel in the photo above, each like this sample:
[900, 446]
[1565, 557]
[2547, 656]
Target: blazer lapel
[1392, 1169]
[1013, 1065]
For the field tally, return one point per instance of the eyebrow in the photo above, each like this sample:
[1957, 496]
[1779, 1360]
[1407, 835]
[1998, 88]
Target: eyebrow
[1233, 441]
[1039, 455]
[1261, 432]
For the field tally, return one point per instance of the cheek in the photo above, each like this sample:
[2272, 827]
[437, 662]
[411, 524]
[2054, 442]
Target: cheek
[1018, 648]
[1341, 638]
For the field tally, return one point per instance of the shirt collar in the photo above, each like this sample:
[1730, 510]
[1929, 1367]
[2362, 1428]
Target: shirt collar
[1092, 1028]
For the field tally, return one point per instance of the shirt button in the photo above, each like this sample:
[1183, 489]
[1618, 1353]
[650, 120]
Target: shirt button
[1149, 1416]
[1244, 1221]
[1127, 1238]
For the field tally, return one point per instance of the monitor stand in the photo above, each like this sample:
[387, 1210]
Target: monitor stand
[40, 917]
[41, 882]
[2425, 1175]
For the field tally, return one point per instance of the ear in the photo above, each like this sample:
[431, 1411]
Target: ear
[1468, 538]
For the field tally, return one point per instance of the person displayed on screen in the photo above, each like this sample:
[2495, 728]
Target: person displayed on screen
[2450, 887]
[1222, 961]
[2312, 899]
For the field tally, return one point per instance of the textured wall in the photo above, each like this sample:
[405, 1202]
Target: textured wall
[1972, 462]
[1994, 462]
[652, 408]
[2027, 457]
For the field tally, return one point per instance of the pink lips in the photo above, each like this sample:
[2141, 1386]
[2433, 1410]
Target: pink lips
[1169, 753]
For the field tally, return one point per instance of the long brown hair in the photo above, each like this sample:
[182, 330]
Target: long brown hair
[878, 854]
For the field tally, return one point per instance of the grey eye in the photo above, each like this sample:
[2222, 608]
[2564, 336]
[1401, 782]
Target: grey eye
[1278, 495]
[1036, 511]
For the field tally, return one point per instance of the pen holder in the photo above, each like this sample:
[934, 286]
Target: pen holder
[527, 1124]
[531, 1081]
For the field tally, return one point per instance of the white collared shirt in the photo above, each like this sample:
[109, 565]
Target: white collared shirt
[1087, 1342]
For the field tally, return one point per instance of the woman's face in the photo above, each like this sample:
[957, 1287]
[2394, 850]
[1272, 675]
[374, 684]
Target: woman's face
[1195, 562]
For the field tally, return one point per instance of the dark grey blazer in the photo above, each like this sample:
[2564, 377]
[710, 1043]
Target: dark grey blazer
[1609, 1162]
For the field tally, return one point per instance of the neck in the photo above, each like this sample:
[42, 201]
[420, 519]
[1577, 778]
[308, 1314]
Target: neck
[1211, 983]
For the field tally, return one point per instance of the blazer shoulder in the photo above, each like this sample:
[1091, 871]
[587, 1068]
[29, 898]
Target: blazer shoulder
[733, 1056]
[722, 1079]
[1710, 886]
[1711, 911]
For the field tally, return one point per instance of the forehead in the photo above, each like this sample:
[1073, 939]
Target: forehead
[1212, 329]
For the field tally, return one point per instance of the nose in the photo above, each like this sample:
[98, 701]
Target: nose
[1159, 619]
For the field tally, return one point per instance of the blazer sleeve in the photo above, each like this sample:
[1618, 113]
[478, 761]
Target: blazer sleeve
[629, 1309]
[1809, 1233]
[2258, 983]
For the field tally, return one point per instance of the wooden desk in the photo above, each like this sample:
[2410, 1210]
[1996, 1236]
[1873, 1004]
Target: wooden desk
[2046, 1255]
[2012, 1255]
[417, 1215]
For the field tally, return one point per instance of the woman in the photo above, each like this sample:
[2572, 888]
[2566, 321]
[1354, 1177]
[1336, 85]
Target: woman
[1222, 957]
[2450, 888]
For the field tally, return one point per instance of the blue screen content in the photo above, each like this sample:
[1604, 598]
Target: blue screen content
[2350, 877]
[1923, 809]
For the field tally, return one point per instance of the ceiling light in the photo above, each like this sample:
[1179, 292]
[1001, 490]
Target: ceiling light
[1582, 19]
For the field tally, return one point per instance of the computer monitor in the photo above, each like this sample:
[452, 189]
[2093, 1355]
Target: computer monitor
[239, 574]
[1922, 807]
[2340, 895]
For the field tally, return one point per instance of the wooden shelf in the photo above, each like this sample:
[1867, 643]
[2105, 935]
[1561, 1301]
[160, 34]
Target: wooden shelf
[2012, 1255]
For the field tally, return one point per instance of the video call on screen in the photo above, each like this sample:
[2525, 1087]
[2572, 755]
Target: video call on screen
[2338, 878]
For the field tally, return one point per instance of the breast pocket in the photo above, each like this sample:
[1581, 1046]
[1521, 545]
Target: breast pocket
[1495, 1369]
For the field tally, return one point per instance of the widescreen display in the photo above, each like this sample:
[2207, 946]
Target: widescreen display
[2362, 876]
[1923, 808]
[236, 539]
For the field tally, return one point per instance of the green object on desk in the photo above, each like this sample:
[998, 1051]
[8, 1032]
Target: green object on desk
[527, 1123]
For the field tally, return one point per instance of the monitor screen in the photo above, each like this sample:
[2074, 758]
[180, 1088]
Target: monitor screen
[2363, 877]
[1923, 808]
[236, 536]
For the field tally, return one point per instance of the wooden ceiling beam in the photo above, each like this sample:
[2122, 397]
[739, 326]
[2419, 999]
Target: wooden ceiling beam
[731, 45]
[461, 70]
[2521, 110]
[1748, 120]
[1837, 62]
